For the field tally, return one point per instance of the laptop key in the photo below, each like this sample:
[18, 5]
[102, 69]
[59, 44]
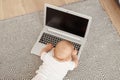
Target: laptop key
[48, 38]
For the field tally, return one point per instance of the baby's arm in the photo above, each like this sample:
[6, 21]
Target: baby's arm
[75, 58]
[47, 48]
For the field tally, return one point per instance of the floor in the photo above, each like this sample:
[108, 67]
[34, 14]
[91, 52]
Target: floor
[113, 10]
[99, 60]
[12, 8]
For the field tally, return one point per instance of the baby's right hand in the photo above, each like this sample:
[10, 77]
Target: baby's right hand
[74, 52]
[75, 57]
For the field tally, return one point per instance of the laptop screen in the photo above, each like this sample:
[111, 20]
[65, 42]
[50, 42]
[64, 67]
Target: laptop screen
[66, 22]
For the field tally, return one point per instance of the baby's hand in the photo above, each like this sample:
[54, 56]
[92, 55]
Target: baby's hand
[49, 46]
[75, 57]
[74, 52]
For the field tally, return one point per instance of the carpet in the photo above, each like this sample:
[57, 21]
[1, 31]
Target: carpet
[100, 58]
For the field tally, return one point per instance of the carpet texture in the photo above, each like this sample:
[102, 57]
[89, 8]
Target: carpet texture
[100, 58]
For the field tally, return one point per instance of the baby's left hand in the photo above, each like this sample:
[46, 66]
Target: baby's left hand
[48, 47]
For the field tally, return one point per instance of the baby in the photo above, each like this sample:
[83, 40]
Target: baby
[57, 61]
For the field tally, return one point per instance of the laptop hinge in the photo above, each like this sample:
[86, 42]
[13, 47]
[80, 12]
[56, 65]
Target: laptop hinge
[54, 31]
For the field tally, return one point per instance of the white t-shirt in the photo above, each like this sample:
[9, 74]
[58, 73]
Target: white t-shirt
[51, 69]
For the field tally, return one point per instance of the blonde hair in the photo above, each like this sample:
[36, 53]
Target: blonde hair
[63, 49]
[66, 42]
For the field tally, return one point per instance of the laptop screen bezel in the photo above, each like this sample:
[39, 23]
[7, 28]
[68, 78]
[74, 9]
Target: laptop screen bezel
[69, 12]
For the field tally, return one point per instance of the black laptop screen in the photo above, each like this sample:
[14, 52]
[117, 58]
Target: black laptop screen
[66, 22]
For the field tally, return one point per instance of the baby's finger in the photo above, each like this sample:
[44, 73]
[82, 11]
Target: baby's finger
[49, 44]
[75, 52]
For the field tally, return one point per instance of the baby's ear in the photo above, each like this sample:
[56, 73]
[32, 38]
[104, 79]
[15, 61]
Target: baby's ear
[74, 52]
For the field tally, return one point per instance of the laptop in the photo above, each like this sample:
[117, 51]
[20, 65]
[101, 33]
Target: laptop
[62, 24]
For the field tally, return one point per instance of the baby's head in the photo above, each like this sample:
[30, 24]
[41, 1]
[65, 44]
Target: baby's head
[63, 50]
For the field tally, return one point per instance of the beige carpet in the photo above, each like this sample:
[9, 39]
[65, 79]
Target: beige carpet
[100, 58]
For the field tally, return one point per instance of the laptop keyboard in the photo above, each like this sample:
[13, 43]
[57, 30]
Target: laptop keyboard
[48, 38]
